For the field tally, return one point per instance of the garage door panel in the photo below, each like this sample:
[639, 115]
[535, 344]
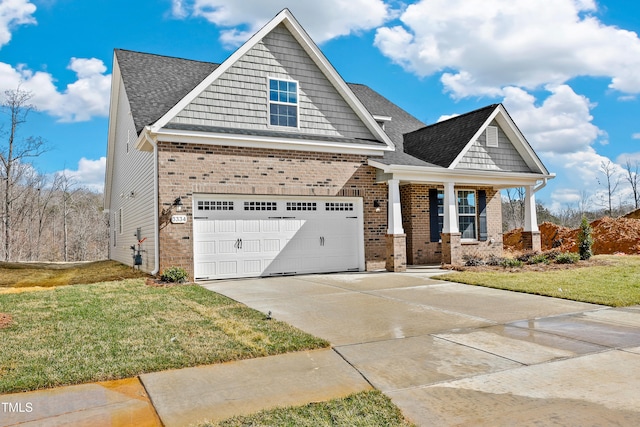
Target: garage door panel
[251, 246]
[250, 226]
[228, 246]
[228, 268]
[252, 266]
[225, 226]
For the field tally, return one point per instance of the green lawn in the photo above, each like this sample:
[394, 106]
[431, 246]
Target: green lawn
[366, 409]
[615, 283]
[112, 330]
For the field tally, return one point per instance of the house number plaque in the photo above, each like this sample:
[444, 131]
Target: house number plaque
[179, 219]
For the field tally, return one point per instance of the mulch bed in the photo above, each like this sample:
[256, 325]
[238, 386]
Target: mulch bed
[157, 283]
[5, 320]
[532, 267]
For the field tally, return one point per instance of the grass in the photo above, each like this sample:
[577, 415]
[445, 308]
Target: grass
[615, 283]
[365, 409]
[52, 274]
[112, 330]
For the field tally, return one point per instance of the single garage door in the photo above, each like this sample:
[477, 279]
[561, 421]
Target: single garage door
[264, 236]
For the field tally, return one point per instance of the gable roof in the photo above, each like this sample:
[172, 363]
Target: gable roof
[288, 20]
[156, 83]
[441, 143]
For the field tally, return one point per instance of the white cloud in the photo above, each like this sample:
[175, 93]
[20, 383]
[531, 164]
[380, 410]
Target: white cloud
[561, 124]
[89, 175]
[13, 13]
[87, 97]
[324, 20]
[481, 47]
[636, 135]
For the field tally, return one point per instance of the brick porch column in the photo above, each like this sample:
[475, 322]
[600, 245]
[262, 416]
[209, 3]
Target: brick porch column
[396, 239]
[451, 248]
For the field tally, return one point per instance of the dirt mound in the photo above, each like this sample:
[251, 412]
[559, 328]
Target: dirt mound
[5, 320]
[620, 235]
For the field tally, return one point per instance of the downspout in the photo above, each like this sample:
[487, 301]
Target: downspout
[156, 226]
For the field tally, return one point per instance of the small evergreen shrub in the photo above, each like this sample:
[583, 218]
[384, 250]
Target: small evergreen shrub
[494, 261]
[471, 261]
[585, 240]
[539, 259]
[174, 275]
[511, 262]
[567, 258]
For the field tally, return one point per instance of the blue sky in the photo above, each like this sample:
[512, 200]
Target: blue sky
[568, 71]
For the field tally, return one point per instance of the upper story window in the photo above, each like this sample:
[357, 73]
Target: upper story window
[283, 103]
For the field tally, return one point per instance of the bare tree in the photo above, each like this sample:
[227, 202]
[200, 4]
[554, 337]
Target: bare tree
[632, 178]
[611, 182]
[514, 217]
[14, 152]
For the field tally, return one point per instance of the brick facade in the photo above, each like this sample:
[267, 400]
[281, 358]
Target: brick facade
[185, 169]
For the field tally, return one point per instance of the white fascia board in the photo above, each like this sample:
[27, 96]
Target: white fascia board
[276, 143]
[111, 136]
[422, 174]
[473, 140]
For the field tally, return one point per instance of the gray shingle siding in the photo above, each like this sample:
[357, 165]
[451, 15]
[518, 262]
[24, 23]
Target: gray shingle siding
[504, 157]
[238, 98]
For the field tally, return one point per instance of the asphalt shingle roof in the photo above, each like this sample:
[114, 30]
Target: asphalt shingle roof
[441, 142]
[155, 83]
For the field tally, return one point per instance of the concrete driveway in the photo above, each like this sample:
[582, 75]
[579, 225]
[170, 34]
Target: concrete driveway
[452, 354]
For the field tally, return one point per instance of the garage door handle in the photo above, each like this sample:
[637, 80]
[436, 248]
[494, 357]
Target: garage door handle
[321, 241]
[240, 240]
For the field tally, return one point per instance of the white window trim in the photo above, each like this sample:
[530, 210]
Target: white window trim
[491, 136]
[475, 214]
[269, 102]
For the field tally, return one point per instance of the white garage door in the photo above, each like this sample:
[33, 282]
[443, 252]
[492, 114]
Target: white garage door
[264, 236]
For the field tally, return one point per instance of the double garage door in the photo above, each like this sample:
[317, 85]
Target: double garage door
[238, 236]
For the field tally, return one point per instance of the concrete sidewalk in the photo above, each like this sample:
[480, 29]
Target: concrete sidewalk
[183, 397]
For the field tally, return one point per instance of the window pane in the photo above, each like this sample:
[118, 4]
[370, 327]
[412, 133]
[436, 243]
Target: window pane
[467, 227]
[273, 84]
[466, 202]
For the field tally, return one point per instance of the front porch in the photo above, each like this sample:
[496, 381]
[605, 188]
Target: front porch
[444, 223]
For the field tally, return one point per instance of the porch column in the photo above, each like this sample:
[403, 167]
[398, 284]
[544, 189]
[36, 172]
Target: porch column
[451, 238]
[396, 239]
[531, 234]
[450, 223]
[394, 213]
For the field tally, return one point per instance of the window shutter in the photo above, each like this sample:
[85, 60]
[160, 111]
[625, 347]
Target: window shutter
[433, 215]
[482, 218]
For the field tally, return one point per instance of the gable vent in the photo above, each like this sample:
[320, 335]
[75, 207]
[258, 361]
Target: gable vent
[492, 136]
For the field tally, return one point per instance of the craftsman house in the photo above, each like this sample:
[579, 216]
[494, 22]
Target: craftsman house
[269, 163]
